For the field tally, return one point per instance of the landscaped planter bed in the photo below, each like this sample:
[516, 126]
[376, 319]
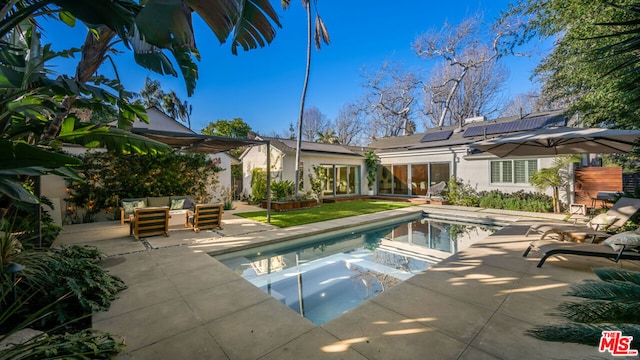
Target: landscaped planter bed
[290, 205]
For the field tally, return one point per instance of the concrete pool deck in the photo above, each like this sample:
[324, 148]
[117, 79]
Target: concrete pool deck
[183, 304]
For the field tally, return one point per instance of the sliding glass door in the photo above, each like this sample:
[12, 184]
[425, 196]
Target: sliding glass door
[341, 180]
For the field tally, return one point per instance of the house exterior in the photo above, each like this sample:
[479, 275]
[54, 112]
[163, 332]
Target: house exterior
[341, 167]
[409, 165]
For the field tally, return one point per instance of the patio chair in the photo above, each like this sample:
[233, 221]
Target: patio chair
[149, 221]
[207, 216]
[599, 227]
[436, 190]
[617, 247]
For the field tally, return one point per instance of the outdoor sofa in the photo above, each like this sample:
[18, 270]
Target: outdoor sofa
[179, 207]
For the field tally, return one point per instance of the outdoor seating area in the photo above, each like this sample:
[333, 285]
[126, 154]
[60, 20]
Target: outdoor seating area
[146, 220]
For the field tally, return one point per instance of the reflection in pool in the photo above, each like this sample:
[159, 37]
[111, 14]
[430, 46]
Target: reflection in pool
[323, 278]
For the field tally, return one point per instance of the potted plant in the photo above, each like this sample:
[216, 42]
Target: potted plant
[371, 161]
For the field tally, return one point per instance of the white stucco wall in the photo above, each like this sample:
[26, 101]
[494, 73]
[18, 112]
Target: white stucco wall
[283, 165]
[255, 157]
[221, 190]
[474, 170]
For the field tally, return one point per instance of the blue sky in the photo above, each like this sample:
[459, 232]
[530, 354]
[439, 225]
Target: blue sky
[263, 86]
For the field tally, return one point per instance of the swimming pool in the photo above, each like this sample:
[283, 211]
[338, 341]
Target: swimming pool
[321, 278]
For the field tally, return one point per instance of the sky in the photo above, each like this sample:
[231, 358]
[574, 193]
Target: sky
[264, 86]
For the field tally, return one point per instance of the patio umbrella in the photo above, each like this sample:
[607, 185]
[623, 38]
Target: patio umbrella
[561, 140]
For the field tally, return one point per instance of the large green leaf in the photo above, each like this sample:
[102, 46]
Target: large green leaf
[20, 155]
[14, 190]
[166, 23]
[116, 14]
[251, 21]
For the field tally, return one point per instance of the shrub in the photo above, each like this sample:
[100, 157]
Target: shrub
[83, 344]
[282, 190]
[258, 186]
[70, 270]
[459, 193]
[520, 200]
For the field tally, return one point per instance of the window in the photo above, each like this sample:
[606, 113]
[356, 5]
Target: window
[512, 171]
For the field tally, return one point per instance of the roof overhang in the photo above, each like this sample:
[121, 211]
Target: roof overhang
[197, 142]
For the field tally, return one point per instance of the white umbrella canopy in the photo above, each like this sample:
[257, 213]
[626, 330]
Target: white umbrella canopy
[561, 140]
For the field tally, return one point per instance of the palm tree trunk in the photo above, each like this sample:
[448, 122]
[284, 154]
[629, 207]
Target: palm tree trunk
[307, 5]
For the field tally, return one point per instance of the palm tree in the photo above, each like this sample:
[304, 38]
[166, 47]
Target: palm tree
[321, 35]
[555, 177]
[327, 137]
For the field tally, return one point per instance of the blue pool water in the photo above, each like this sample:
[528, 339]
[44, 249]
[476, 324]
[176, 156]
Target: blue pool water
[322, 278]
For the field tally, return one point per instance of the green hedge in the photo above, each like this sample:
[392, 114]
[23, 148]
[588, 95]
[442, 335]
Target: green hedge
[109, 178]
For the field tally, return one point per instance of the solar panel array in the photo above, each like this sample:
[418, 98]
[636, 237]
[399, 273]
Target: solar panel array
[437, 136]
[515, 126]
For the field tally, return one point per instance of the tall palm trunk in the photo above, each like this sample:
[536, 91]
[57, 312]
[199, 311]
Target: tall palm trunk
[307, 5]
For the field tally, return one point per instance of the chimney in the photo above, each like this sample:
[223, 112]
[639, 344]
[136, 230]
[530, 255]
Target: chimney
[474, 119]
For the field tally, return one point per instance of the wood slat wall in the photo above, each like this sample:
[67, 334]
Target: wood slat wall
[590, 180]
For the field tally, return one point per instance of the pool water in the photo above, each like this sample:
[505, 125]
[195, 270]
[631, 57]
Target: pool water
[324, 278]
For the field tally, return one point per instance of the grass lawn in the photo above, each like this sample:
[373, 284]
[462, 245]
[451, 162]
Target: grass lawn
[324, 212]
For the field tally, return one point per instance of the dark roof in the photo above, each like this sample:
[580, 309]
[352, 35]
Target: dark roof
[288, 146]
[468, 133]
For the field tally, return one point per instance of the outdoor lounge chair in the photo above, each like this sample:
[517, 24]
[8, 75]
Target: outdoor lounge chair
[621, 211]
[549, 248]
[436, 190]
[207, 216]
[150, 221]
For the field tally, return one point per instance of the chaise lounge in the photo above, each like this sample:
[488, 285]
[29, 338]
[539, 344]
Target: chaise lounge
[617, 247]
[599, 227]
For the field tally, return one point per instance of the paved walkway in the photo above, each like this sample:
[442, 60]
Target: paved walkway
[183, 304]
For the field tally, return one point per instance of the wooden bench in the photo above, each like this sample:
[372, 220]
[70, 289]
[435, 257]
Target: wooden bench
[207, 216]
[150, 221]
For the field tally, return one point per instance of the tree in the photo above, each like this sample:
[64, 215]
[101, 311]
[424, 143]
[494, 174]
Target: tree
[235, 128]
[586, 69]
[555, 177]
[453, 93]
[152, 95]
[314, 122]
[463, 50]
[327, 137]
[321, 35]
[389, 101]
[349, 125]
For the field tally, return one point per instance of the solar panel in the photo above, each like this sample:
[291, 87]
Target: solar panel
[436, 136]
[514, 126]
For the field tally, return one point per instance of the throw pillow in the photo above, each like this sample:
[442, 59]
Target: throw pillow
[177, 204]
[628, 238]
[131, 205]
[188, 204]
[602, 222]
